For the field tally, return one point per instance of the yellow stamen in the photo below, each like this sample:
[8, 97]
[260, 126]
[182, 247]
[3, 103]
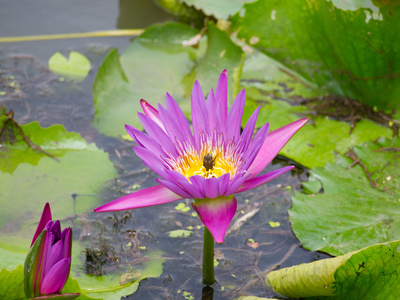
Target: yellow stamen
[226, 158]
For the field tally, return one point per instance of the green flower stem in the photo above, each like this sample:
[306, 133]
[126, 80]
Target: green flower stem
[208, 258]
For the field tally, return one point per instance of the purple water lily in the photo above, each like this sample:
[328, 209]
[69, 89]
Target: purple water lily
[48, 262]
[209, 164]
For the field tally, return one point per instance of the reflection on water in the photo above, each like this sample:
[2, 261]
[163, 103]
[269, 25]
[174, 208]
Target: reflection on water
[140, 14]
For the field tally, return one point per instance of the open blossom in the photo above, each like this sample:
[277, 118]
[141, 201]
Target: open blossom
[48, 262]
[210, 163]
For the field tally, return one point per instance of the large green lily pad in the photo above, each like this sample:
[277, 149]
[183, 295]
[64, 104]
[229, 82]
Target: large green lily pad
[346, 52]
[269, 85]
[12, 283]
[158, 62]
[71, 185]
[359, 205]
[317, 142]
[370, 273]
[276, 89]
[81, 169]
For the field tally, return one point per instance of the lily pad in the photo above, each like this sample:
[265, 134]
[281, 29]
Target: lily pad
[276, 89]
[318, 141]
[158, 62]
[221, 9]
[29, 143]
[71, 185]
[316, 144]
[180, 233]
[109, 286]
[370, 273]
[12, 283]
[76, 67]
[82, 169]
[329, 46]
[359, 205]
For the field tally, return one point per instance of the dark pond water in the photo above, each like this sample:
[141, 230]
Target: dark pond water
[45, 99]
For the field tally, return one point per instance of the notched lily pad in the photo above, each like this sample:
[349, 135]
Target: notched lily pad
[70, 185]
[12, 283]
[359, 205]
[76, 67]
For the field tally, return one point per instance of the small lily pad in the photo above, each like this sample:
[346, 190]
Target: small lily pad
[180, 233]
[182, 207]
[76, 67]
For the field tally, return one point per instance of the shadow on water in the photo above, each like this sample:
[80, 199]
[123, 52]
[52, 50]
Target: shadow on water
[263, 243]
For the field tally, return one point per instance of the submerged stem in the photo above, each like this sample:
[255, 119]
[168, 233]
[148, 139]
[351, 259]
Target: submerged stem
[208, 258]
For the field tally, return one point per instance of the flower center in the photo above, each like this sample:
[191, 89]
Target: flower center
[213, 160]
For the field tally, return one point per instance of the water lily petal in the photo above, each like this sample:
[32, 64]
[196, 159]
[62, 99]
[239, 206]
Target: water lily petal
[54, 280]
[199, 113]
[174, 187]
[248, 130]
[174, 131]
[208, 188]
[158, 134]
[179, 116]
[190, 188]
[221, 125]
[273, 144]
[198, 182]
[66, 237]
[33, 264]
[56, 253]
[212, 112]
[150, 160]
[216, 214]
[55, 229]
[236, 183]
[257, 181]
[41, 260]
[234, 120]
[152, 113]
[255, 146]
[223, 184]
[144, 140]
[211, 187]
[45, 218]
[155, 195]
[221, 96]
